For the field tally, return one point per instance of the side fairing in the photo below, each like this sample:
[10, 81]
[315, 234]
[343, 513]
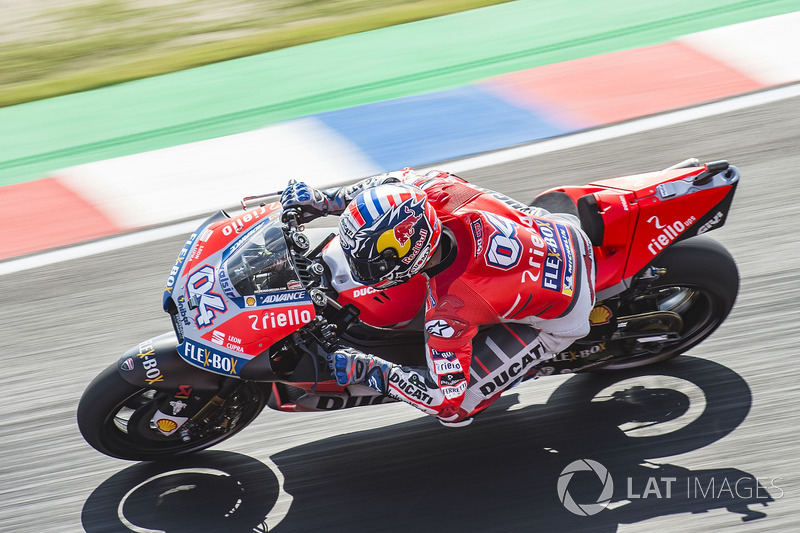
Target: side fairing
[392, 307]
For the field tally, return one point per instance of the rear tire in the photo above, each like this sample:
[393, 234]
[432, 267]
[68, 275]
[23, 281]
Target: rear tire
[701, 285]
[114, 417]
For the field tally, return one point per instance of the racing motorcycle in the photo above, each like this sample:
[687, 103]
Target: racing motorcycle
[257, 301]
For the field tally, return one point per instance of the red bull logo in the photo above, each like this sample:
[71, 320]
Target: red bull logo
[399, 237]
[405, 229]
[423, 234]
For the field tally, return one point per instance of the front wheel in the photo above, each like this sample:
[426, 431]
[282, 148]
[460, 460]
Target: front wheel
[115, 417]
[694, 297]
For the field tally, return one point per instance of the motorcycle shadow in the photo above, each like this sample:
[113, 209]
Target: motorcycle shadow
[578, 462]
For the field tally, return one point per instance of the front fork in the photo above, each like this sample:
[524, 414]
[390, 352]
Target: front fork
[192, 426]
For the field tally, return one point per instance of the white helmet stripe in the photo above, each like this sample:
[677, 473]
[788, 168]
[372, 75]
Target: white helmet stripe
[372, 204]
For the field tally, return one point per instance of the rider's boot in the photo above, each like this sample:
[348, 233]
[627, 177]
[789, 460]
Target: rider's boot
[350, 366]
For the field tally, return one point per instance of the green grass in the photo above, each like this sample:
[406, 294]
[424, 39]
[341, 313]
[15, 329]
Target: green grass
[112, 41]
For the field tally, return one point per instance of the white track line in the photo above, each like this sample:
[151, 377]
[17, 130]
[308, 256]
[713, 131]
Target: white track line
[98, 247]
[471, 163]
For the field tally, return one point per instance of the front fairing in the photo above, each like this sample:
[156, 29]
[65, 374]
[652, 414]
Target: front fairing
[234, 290]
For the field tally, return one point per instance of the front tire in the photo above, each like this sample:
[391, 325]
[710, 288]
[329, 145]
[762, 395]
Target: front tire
[114, 417]
[700, 285]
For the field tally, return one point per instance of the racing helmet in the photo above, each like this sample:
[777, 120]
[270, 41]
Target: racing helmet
[388, 234]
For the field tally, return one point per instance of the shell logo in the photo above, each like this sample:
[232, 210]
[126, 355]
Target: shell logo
[249, 301]
[166, 425]
[600, 315]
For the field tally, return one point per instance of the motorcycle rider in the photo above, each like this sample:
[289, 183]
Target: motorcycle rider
[509, 286]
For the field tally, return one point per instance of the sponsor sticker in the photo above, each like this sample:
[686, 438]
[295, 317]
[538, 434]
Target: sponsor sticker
[504, 249]
[147, 355]
[559, 263]
[281, 297]
[439, 328]
[600, 315]
[443, 366]
[454, 392]
[430, 302]
[436, 354]
[570, 355]
[522, 362]
[477, 234]
[210, 359]
[711, 223]
[569, 260]
[177, 406]
[226, 284]
[176, 268]
[451, 380]
[281, 318]
[198, 287]
[413, 391]
[274, 298]
[168, 424]
[666, 232]
[184, 391]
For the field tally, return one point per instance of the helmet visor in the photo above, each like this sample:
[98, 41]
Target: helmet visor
[371, 272]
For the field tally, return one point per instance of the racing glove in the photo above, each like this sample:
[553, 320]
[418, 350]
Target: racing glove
[310, 202]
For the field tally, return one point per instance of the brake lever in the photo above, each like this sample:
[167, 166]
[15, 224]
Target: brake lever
[246, 199]
[291, 217]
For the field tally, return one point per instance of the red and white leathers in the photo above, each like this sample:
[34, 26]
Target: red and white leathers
[520, 290]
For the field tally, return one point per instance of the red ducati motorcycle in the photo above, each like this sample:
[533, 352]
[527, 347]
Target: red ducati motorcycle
[256, 306]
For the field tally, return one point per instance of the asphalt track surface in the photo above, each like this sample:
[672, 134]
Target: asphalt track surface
[388, 468]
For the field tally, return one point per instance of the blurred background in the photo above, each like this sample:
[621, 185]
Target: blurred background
[113, 107]
[53, 47]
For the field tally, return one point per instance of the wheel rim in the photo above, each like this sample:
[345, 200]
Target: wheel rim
[699, 311]
[121, 418]
[677, 299]
[128, 429]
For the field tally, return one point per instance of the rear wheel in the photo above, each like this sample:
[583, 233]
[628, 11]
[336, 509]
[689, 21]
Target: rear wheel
[115, 417]
[692, 298]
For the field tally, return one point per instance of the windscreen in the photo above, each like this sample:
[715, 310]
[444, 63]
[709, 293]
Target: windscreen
[262, 263]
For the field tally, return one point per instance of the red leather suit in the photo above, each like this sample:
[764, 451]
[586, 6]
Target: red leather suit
[519, 291]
